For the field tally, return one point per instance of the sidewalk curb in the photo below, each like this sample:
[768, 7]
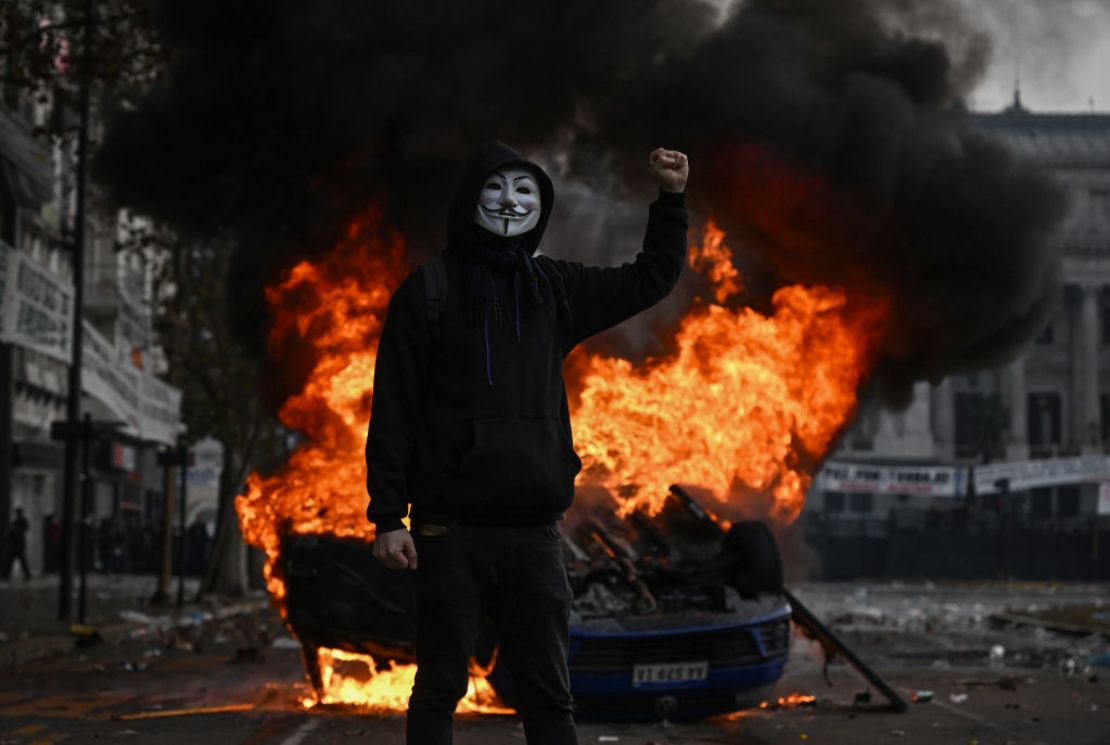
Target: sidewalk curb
[1059, 627]
[20, 652]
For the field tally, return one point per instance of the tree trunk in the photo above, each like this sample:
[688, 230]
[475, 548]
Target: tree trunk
[227, 566]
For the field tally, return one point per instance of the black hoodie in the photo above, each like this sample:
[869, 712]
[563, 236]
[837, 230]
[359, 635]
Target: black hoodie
[473, 425]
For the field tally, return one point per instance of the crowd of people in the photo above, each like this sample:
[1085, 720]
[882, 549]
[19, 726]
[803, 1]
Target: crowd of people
[121, 544]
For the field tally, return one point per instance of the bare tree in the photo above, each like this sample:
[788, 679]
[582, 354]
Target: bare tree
[218, 378]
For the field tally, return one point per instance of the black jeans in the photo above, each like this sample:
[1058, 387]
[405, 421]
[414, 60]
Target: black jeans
[21, 557]
[517, 575]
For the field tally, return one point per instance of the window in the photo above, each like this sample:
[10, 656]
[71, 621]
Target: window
[860, 502]
[1104, 415]
[1043, 419]
[834, 501]
[968, 407]
[981, 420]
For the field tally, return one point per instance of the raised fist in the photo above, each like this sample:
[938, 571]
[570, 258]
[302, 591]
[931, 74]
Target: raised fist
[671, 168]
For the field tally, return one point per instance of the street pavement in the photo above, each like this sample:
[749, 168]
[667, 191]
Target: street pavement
[235, 664]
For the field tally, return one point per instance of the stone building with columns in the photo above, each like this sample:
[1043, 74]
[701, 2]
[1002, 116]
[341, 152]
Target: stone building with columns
[1053, 403]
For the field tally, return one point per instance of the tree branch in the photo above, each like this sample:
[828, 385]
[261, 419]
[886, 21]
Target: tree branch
[67, 24]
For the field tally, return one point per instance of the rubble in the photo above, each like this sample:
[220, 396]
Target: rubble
[964, 626]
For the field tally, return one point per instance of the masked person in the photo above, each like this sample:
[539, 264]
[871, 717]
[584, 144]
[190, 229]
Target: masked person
[469, 424]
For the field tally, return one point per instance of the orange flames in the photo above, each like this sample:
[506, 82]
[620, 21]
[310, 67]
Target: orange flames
[745, 407]
[354, 680]
[789, 701]
[331, 312]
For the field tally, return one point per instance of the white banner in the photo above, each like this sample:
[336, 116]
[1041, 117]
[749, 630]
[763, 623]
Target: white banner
[132, 329]
[929, 481]
[115, 385]
[36, 308]
[36, 312]
[159, 410]
[1030, 474]
[151, 407]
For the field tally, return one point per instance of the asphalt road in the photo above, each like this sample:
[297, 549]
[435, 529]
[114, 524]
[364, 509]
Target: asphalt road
[1040, 689]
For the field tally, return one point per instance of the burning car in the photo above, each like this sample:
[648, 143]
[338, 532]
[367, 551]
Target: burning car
[744, 406]
[672, 617]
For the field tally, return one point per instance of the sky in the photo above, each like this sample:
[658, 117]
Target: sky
[1059, 48]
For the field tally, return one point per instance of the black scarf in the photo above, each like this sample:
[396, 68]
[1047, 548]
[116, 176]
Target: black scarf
[492, 260]
[509, 260]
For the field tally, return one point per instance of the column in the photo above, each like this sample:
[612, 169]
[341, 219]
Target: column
[1074, 426]
[1017, 448]
[1089, 391]
[943, 417]
[6, 466]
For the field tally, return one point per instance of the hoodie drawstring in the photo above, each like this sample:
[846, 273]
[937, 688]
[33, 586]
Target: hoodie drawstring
[516, 301]
[489, 371]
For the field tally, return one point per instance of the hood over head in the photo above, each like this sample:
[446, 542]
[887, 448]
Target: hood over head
[462, 232]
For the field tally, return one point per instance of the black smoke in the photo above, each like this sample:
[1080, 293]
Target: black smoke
[280, 118]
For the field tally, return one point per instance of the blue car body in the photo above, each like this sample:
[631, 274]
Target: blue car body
[340, 597]
[739, 658]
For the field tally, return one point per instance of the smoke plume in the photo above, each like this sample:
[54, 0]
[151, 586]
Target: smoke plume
[826, 137]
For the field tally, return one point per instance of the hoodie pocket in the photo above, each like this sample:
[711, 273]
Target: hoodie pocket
[524, 459]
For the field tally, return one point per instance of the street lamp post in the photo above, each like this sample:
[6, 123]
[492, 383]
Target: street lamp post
[73, 400]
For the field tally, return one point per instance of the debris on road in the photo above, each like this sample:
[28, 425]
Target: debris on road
[192, 711]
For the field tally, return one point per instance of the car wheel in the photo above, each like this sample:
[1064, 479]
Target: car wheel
[751, 548]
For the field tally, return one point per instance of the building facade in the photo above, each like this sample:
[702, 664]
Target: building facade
[1051, 405]
[37, 209]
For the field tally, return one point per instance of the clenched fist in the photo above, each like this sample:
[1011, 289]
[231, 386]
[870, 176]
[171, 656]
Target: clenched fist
[395, 549]
[671, 168]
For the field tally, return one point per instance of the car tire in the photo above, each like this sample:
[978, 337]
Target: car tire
[311, 656]
[751, 548]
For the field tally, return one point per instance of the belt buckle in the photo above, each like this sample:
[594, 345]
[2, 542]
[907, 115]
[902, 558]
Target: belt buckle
[430, 529]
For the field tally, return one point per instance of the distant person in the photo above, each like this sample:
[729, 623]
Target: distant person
[104, 545]
[17, 544]
[196, 547]
[52, 543]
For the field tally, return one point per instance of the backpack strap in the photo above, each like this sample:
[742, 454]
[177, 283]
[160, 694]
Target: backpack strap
[435, 290]
[555, 279]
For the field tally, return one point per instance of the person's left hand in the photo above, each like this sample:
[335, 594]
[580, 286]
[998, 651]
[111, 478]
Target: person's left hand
[671, 169]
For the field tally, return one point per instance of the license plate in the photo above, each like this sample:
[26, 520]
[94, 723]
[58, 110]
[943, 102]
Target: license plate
[671, 672]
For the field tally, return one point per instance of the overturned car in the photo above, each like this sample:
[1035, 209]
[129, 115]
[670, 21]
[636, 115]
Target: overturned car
[672, 616]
